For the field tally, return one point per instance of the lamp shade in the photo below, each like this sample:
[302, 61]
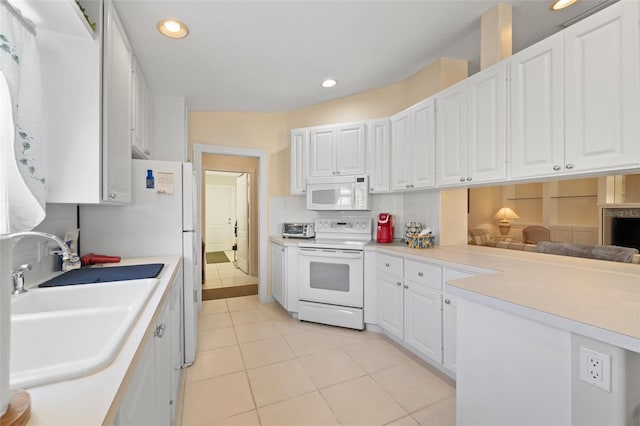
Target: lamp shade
[506, 213]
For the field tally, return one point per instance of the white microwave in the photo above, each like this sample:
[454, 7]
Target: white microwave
[338, 193]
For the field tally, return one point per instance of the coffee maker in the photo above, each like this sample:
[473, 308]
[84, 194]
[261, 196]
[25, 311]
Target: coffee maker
[384, 233]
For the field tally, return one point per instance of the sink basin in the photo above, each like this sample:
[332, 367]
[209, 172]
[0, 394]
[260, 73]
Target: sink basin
[119, 293]
[68, 332]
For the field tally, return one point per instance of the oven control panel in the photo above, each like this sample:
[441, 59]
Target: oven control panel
[353, 225]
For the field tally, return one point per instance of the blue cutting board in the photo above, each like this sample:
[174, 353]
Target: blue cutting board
[105, 274]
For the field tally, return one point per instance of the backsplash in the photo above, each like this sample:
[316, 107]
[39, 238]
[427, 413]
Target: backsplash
[60, 219]
[419, 206]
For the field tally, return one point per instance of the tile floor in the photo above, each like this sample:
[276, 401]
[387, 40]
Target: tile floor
[258, 366]
[219, 275]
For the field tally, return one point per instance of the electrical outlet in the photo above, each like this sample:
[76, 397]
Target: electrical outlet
[595, 368]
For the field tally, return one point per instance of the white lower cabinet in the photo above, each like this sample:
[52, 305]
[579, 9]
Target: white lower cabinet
[410, 304]
[415, 309]
[284, 270]
[150, 398]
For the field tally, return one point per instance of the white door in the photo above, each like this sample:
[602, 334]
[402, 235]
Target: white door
[423, 145]
[451, 135]
[242, 219]
[601, 90]
[220, 208]
[487, 112]
[536, 105]
[423, 319]
[349, 150]
[321, 152]
[400, 140]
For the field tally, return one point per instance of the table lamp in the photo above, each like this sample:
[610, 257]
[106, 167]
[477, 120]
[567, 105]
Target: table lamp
[503, 214]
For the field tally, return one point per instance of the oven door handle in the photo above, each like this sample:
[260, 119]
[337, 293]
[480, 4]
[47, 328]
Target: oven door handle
[342, 254]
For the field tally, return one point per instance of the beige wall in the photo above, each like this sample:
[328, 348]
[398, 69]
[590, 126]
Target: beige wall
[270, 131]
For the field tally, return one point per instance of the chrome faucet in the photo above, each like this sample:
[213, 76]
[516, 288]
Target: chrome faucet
[18, 279]
[18, 275]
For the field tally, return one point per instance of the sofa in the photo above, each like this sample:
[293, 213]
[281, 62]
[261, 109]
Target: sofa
[482, 237]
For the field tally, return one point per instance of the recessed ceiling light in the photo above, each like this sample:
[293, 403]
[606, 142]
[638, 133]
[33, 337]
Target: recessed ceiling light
[329, 82]
[561, 4]
[172, 28]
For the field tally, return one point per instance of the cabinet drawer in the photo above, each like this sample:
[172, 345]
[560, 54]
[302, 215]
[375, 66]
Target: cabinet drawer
[423, 273]
[390, 264]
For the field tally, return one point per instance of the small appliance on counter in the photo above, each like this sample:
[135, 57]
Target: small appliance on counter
[384, 233]
[298, 230]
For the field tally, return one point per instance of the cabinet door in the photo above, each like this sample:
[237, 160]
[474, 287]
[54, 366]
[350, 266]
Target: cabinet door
[449, 322]
[391, 304]
[487, 121]
[278, 270]
[299, 161]
[449, 331]
[537, 111]
[423, 320]
[400, 137]
[163, 366]
[423, 145]
[451, 135]
[116, 137]
[139, 405]
[379, 154]
[321, 152]
[350, 149]
[139, 111]
[602, 92]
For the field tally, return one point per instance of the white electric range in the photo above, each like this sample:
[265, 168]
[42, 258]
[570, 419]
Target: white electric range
[331, 272]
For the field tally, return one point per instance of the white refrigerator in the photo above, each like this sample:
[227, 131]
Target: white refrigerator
[160, 221]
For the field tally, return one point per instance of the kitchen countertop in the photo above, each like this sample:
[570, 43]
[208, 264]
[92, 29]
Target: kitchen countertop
[595, 298]
[95, 399]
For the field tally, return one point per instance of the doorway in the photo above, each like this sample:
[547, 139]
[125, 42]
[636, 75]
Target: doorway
[229, 213]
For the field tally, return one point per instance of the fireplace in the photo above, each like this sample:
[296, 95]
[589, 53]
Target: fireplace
[621, 226]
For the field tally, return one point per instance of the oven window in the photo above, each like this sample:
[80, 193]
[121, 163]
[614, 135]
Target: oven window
[329, 276]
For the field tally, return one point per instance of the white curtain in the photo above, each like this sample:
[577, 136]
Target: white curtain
[23, 162]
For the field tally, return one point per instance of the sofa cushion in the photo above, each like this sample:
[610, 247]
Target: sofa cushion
[479, 237]
[613, 253]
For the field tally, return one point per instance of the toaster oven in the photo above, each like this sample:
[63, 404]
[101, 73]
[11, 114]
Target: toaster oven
[298, 230]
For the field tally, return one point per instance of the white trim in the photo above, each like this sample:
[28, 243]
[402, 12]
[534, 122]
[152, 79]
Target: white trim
[263, 240]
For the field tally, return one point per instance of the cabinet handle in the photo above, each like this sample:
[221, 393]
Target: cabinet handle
[407, 186]
[469, 179]
[570, 166]
[386, 264]
[462, 179]
[411, 186]
[371, 189]
[406, 286]
[304, 190]
[556, 168]
[112, 195]
[338, 173]
[420, 274]
[160, 331]
[399, 283]
[447, 301]
[282, 250]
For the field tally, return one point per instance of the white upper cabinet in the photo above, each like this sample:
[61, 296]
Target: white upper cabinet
[378, 154]
[575, 98]
[602, 90]
[487, 125]
[337, 150]
[537, 110]
[116, 103]
[413, 133]
[451, 135]
[299, 160]
[471, 135]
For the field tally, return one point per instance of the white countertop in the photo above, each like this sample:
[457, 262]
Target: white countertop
[595, 298]
[95, 399]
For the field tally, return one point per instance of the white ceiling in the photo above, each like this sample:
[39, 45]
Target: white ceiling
[272, 55]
